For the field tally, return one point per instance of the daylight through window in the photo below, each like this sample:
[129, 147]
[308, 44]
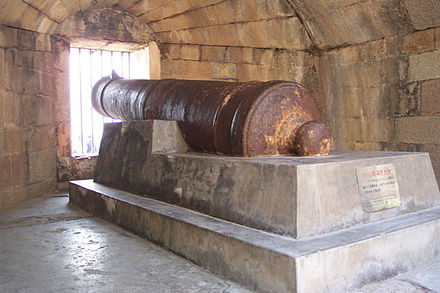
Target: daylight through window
[86, 68]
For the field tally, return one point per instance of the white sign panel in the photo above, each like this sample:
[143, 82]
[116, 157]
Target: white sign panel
[378, 187]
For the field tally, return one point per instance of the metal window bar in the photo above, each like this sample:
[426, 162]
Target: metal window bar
[85, 58]
[80, 102]
[91, 110]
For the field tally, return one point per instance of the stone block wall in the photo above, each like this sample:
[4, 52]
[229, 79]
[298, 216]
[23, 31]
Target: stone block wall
[27, 129]
[374, 67]
[237, 41]
[417, 113]
[106, 29]
[358, 88]
[384, 94]
[230, 63]
[68, 167]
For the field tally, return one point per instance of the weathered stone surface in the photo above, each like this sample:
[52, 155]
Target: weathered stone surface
[234, 54]
[63, 139]
[279, 194]
[437, 38]
[69, 168]
[85, 4]
[43, 42]
[316, 7]
[12, 196]
[409, 100]
[423, 13]
[225, 12]
[175, 7]
[37, 110]
[13, 139]
[14, 171]
[424, 66]
[106, 24]
[418, 129]
[366, 130]
[418, 42]
[430, 97]
[2, 66]
[52, 8]
[45, 24]
[18, 170]
[46, 230]
[359, 88]
[8, 37]
[291, 65]
[11, 111]
[224, 71]
[154, 60]
[40, 138]
[167, 138]
[286, 33]
[42, 166]
[26, 104]
[187, 69]
[190, 52]
[41, 188]
[262, 56]
[255, 35]
[434, 153]
[249, 72]
[247, 55]
[5, 170]
[363, 147]
[2, 141]
[26, 39]
[213, 54]
[173, 51]
[374, 20]
[12, 14]
[62, 100]
[336, 262]
[13, 79]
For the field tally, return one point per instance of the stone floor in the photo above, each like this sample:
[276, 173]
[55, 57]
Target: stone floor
[48, 246]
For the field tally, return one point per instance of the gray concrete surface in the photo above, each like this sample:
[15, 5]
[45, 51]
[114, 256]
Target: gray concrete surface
[341, 261]
[427, 278]
[287, 195]
[48, 246]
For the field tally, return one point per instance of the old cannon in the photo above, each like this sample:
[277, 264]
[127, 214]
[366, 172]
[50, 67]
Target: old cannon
[232, 118]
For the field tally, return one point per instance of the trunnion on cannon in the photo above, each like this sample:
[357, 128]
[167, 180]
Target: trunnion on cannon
[232, 118]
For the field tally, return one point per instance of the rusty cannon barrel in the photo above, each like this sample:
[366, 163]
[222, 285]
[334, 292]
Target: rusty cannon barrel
[231, 118]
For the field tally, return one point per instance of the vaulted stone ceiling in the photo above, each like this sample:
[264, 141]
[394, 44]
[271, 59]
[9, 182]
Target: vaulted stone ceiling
[291, 24]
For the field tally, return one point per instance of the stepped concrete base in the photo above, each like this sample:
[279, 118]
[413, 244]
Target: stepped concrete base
[295, 196]
[266, 262]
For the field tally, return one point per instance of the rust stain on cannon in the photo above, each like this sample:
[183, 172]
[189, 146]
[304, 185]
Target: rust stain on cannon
[232, 118]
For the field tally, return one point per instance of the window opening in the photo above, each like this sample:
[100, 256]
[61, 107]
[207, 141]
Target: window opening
[87, 66]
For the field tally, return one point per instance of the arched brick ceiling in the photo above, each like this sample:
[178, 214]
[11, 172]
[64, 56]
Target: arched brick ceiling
[291, 24]
[333, 23]
[43, 15]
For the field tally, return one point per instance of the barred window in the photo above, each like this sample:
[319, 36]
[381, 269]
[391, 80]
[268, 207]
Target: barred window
[87, 66]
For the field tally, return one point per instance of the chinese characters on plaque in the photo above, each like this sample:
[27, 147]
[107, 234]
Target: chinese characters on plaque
[378, 187]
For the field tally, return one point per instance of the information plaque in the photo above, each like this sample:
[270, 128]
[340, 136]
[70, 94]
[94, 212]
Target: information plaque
[378, 187]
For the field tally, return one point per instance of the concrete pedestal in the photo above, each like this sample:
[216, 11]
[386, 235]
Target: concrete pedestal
[295, 196]
[335, 223]
[265, 262]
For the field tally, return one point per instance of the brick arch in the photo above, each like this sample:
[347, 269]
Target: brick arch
[299, 23]
[247, 23]
[106, 26]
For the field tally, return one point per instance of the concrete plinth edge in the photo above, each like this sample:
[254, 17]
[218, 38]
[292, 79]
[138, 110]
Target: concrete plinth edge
[268, 262]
